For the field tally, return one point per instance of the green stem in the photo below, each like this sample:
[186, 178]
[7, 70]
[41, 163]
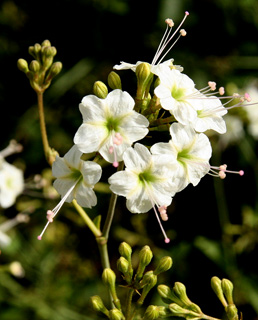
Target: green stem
[128, 304]
[97, 233]
[43, 124]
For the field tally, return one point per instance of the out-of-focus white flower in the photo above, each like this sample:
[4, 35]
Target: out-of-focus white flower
[252, 110]
[190, 151]
[110, 125]
[11, 183]
[147, 182]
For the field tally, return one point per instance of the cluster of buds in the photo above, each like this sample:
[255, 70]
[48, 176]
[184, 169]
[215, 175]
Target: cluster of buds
[224, 291]
[41, 70]
[138, 281]
[179, 305]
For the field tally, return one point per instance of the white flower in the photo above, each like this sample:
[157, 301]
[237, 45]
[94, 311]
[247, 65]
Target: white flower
[11, 183]
[146, 182]
[75, 180]
[210, 114]
[190, 150]
[110, 125]
[176, 93]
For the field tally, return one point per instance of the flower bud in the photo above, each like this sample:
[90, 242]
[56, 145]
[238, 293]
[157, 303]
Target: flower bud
[100, 89]
[98, 305]
[122, 265]
[22, 65]
[143, 72]
[149, 280]
[165, 264]
[55, 69]
[178, 311]
[165, 293]
[151, 313]
[227, 288]
[109, 277]
[180, 291]
[46, 43]
[114, 81]
[115, 314]
[216, 287]
[37, 48]
[232, 312]
[34, 66]
[144, 80]
[145, 257]
[125, 250]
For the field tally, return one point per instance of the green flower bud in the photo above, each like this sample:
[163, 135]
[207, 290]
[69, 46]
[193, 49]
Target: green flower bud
[54, 70]
[148, 282]
[180, 291]
[98, 305]
[227, 288]
[37, 48]
[178, 311]
[122, 265]
[100, 89]
[232, 312]
[216, 287]
[165, 293]
[151, 313]
[125, 250]
[22, 65]
[46, 43]
[144, 80]
[115, 314]
[34, 66]
[142, 72]
[165, 264]
[114, 81]
[145, 257]
[109, 277]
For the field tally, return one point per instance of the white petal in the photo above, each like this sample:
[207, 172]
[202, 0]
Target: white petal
[92, 109]
[89, 138]
[73, 157]
[123, 183]
[91, 172]
[137, 158]
[84, 196]
[119, 102]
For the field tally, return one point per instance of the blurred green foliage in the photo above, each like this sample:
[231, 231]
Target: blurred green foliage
[213, 227]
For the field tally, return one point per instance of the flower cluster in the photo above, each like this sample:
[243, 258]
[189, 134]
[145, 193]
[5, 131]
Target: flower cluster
[166, 100]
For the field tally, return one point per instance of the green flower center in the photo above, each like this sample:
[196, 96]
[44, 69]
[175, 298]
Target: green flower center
[75, 174]
[177, 93]
[183, 156]
[112, 124]
[146, 176]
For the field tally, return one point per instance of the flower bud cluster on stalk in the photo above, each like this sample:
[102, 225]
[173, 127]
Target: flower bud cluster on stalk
[139, 282]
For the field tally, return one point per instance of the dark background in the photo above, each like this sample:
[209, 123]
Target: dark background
[213, 226]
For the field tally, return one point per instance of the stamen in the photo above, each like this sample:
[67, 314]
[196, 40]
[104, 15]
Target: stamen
[52, 213]
[117, 141]
[166, 39]
[222, 170]
[162, 209]
[170, 22]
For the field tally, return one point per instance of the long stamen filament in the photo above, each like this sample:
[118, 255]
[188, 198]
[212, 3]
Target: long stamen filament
[166, 39]
[52, 213]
